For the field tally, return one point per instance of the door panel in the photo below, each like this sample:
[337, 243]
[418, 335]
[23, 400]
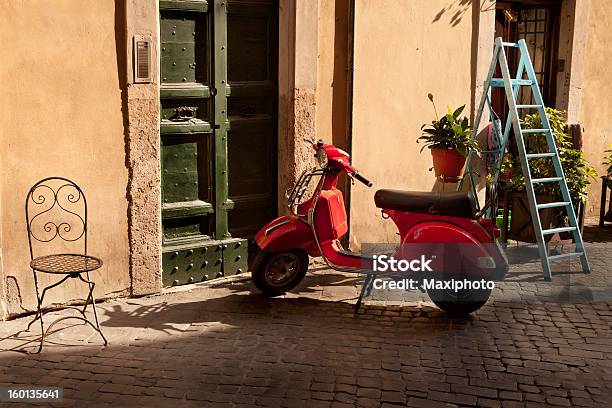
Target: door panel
[193, 132]
[181, 60]
[252, 148]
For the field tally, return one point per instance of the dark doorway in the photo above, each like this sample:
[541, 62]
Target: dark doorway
[537, 22]
[252, 34]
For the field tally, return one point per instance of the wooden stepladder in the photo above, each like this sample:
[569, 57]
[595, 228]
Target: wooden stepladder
[525, 78]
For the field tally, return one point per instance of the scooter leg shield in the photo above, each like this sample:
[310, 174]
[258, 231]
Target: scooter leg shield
[285, 233]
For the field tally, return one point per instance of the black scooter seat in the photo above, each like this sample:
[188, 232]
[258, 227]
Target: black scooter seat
[455, 204]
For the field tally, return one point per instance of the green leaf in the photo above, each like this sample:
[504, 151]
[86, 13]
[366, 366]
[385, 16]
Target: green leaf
[449, 132]
[458, 111]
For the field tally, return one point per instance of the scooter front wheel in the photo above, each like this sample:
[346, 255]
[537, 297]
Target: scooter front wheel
[275, 273]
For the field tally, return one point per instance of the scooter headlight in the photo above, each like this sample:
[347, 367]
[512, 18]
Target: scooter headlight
[321, 156]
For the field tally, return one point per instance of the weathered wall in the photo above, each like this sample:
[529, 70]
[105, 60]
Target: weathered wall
[595, 111]
[63, 116]
[332, 70]
[3, 303]
[297, 77]
[325, 69]
[403, 51]
[143, 153]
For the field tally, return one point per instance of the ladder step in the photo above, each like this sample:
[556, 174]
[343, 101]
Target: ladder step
[558, 230]
[499, 82]
[553, 205]
[529, 106]
[510, 83]
[563, 256]
[546, 180]
[535, 130]
[539, 155]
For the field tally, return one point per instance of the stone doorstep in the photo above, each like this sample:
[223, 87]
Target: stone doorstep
[241, 277]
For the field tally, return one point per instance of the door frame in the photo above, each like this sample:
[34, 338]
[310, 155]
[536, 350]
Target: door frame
[141, 107]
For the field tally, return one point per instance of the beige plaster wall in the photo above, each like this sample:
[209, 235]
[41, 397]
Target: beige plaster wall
[325, 69]
[332, 71]
[403, 50]
[595, 111]
[62, 106]
[297, 90]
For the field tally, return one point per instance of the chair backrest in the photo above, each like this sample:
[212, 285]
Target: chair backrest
[56, 210]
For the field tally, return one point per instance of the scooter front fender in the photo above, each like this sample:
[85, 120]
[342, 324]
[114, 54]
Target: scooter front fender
[287, 232]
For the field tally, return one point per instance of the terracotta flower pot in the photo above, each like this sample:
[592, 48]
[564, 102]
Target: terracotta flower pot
[448, 164]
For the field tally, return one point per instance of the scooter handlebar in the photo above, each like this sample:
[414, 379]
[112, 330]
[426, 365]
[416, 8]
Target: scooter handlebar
[363, 179]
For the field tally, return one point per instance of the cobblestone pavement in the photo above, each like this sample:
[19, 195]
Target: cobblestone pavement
[534, 344]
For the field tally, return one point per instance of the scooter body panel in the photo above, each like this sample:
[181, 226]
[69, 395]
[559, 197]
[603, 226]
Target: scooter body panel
[450, 240]
[285, 233]
[330, 216]
[415, 229]
[437, 228]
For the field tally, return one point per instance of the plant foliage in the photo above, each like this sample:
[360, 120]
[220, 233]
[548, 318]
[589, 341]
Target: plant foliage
[578, 172]
[608, 162]
[451, 131]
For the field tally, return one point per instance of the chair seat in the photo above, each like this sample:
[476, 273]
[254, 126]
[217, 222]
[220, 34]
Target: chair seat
[65, 263]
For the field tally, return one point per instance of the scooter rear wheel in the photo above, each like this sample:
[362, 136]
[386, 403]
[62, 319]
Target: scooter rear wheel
[461, 302]
[275, 273]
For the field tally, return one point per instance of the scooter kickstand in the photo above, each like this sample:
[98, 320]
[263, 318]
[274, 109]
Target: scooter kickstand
[367, 287]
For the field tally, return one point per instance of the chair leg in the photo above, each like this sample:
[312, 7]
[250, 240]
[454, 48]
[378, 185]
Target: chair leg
[39, 300]
[39, 313]
[91, 297]
[43, 333]
[36, 316]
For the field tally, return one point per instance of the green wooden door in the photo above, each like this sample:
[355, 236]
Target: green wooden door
[252, 35]
[196, 243]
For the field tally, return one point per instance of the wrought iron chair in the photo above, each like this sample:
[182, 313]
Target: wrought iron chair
[56, 210]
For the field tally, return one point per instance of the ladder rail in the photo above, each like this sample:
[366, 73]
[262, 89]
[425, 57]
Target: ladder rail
[513, 113]
[512, 86]
[552, 146]
[519, 74]
[476, 124]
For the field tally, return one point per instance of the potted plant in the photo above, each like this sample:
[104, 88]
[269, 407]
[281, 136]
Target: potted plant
[449, 139]
[608, 162]
[606, 215]
[578, 174]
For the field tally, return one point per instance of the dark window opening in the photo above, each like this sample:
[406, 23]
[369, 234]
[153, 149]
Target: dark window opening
[537, 22]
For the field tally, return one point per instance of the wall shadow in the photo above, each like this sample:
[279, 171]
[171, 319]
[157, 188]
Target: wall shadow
[455, 11]
[122, 80]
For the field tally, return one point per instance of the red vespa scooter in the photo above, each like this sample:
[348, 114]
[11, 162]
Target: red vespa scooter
[424, 220]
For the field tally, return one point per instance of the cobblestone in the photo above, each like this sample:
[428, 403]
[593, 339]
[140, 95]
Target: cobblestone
[225, 345]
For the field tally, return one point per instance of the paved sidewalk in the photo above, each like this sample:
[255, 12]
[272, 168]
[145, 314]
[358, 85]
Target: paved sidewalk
[226, 346]
[535, 344]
